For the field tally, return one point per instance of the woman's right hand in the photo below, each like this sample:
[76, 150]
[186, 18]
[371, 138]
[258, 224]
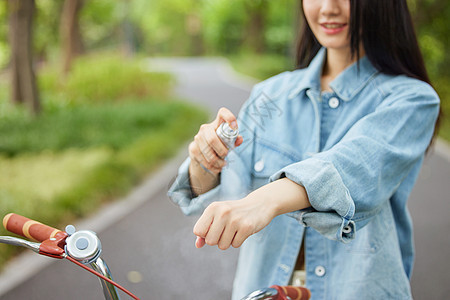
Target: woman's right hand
[207, 150]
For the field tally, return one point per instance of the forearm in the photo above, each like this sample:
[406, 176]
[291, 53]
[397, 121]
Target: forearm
[201, 180]
[282, 196]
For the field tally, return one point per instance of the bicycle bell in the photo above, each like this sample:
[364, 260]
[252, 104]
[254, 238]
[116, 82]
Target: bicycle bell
[83, 245]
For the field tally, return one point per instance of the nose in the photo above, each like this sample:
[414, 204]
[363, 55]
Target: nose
[330, 7]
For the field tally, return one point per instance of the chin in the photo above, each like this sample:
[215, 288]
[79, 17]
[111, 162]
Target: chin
[336, 46]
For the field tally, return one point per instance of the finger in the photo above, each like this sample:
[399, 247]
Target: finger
[215, 232]
[225, 115]
[200, 242]
[240, 237]
[226, 238]
[215, 143]
[197, 157]
[205, 149]
[209, 226]
[202, 143]
[203, 224]
[206, 155]
[213, 161]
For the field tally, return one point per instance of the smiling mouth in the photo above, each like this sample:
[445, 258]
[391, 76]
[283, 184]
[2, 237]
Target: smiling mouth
[333, 26]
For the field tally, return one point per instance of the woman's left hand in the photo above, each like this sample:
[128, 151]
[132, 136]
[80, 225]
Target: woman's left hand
[230, 223]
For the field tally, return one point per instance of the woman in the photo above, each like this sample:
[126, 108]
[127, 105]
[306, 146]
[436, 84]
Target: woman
[328, 156]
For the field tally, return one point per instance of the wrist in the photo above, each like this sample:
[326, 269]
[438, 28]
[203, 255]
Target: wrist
[282, 196]
[266, 201]
[201, 180]
[196, 168]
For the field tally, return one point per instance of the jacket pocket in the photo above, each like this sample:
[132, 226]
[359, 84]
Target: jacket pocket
[267, 159]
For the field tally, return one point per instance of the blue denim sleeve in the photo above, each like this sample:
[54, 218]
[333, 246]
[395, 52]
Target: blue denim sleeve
[348, 183]
[181, 194]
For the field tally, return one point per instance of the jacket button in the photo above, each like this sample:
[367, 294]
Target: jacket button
[285, 268]
[333, 102]
[320, 271]
[347, 229]
[259, 165]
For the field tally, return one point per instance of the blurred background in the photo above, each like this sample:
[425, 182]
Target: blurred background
[84, 116]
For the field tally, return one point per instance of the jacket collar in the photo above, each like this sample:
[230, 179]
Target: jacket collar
[346, 85]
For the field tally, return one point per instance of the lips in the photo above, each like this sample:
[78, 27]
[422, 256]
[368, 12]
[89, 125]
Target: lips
[333, 28]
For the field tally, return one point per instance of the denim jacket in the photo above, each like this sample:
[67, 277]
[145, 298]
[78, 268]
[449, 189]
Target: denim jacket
[357, 151]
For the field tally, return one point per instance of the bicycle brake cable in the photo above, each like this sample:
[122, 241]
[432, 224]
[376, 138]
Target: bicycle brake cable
[102, 277]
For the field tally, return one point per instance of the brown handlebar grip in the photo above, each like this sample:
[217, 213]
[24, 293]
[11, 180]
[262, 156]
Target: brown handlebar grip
[293, 292]
[30, 229]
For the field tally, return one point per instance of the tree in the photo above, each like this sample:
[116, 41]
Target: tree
[24, 89]
[71, 39]
[126, 29]
[431, 20]
[257, 11]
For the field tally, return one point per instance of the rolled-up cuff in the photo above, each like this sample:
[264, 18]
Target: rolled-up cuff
[332, 207]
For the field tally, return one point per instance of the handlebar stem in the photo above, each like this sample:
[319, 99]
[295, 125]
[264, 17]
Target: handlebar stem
[109, 290]
[85, 247]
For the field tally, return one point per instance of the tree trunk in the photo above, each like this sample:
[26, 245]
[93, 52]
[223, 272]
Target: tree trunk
[128, 44]
[72, 41]
[296, 25]
[23, 81]
[194, 30]
[256, 26]
[126, 29]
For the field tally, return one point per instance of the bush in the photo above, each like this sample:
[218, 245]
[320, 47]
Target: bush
[83, 126]
[443, 90]
[103, 127]
[104, 78]
[66, 164]
[72, 180]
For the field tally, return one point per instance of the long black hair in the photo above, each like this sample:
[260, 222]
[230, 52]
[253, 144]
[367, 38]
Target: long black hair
[386, 31]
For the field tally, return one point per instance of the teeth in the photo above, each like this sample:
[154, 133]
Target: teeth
[331, 26]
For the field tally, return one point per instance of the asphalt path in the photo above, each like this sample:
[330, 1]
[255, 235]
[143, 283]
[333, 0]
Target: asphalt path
[149, 244]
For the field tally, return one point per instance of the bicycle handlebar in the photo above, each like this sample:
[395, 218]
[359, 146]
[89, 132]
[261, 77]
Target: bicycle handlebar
[276, 292]
[53, 244]
[31, 229]
[293, 292]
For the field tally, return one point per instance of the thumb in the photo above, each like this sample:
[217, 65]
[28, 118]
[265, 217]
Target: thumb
[239, 141]
[225, 115]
